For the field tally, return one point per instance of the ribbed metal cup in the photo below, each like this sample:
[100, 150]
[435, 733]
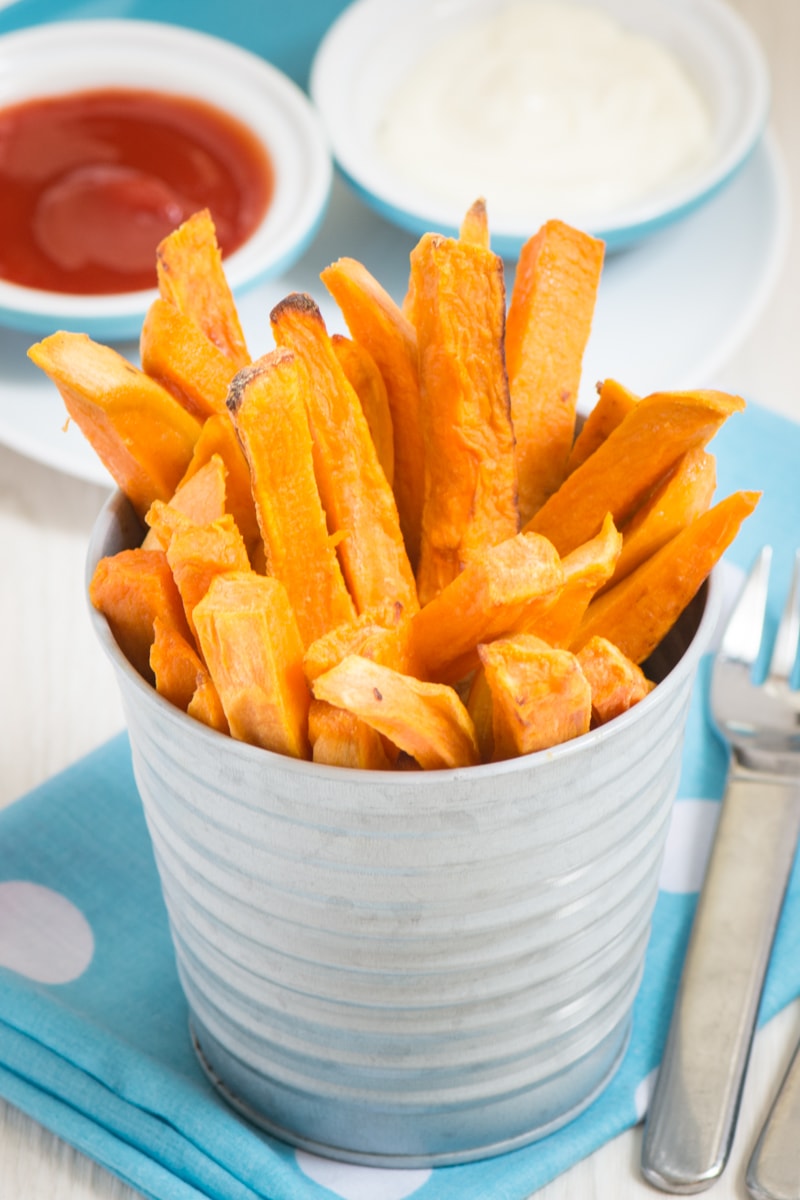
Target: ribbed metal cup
[409, 968]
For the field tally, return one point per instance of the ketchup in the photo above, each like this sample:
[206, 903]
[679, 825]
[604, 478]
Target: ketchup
[92, 181]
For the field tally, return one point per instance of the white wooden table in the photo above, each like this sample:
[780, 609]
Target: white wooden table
[58, 699]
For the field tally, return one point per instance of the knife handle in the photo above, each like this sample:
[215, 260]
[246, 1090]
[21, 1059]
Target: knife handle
[774, 1169]
[695, 1105]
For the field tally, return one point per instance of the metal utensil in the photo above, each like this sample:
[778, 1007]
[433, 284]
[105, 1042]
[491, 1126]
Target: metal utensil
[774, 1169]
[693, 1113]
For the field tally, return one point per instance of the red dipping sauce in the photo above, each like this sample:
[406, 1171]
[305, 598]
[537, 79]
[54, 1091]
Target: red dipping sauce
[92, 181]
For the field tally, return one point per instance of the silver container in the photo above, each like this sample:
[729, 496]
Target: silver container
[409, 968]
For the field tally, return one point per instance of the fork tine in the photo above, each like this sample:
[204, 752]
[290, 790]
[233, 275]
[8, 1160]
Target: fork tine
[741, 640]
[784, 654]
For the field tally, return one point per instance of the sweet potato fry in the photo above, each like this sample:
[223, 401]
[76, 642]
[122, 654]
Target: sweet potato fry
[586, 570]
[139, 431]
[616, 682]
[175, 352]
[470, 469]
[426, 720]
[181, 677]
[198, 553]
[475, 225]
[686, 493]
[192, 278]
[540, 696]
[268, 401]
[201, 497]
[330, 727]
[479, 707]
[132, 589]
[251, 644]
[376, 322]
[623, 471]
[549, 321]
[341, 739]
[367, 382]
[218, 436]
[504, 586]
[355, 494]
[639, 611]
[175, 664]
[206, 706]
[613, 404]
[386, 644]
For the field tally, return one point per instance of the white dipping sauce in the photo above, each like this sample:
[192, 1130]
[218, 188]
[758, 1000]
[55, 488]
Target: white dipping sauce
[547, 106]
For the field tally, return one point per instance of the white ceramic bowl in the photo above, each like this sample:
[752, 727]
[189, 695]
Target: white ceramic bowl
[59, 58]
[374, 44]
[409, 967]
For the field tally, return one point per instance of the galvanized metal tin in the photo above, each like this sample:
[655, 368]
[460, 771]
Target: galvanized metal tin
[408, 968]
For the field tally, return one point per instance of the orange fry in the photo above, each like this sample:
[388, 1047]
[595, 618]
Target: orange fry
[132, 589]
[632, 460]
[251, 644]
[638, 612]
[613, 404]
[376, 322]
[586, 570]
[470, 469]
[540, 696]
[268, 402]
[191, 276]
[181, 677]
[341, 739]
[426, 720]
[355, 494]
[549, 321]
[206, 706]
[218, 436]
[686, 493]
[386, 644]
[616, 682]
[367, 382]
[198, 553]
[175, 352]
[200, 497]
[475, 225]
[138, 430]
[506, 585]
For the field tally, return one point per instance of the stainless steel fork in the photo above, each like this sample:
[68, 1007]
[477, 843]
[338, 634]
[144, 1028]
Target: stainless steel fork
[693, 1113]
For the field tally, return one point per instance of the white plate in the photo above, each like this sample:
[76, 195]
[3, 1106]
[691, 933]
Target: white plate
[669, 313]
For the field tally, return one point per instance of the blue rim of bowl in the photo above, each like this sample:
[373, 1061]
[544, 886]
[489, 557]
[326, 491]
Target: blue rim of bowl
[509, 245]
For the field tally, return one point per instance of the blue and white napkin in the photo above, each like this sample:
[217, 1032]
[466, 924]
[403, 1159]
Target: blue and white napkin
[94, 1041]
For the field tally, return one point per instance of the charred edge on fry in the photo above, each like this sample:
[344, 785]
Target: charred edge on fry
[298, 302]
[245, 376]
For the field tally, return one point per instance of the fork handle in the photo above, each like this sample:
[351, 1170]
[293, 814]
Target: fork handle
[774, 1169]
[692, 1116]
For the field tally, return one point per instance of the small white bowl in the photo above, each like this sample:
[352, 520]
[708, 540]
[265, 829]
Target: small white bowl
[375, 44]
[63, 57]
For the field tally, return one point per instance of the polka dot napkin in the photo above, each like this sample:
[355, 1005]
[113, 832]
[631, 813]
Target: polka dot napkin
[93, 1025]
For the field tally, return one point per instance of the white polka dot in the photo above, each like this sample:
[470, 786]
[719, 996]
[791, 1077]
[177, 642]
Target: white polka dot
[43, 936]
[689, 841]
[361, 1183]
[644, 1094]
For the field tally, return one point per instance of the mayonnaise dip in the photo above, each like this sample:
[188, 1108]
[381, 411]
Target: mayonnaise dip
[545, 107]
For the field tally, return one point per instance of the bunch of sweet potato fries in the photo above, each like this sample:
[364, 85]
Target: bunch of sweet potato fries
[390, 549]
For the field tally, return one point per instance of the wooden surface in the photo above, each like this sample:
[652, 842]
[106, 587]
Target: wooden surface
[58, 699]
